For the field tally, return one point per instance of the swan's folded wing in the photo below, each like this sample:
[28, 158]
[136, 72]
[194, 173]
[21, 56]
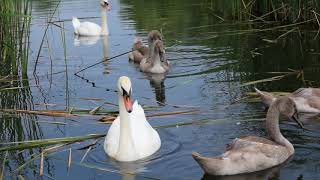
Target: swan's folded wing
[307, 93]
[146, 139]
[144, 50]
[111, 143]
[89, 29]
[257, 145]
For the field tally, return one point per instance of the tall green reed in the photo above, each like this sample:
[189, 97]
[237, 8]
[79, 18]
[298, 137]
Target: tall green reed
[14, 36]
[288, 11]
[15, 22]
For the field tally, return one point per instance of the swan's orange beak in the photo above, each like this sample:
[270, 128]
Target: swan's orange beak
[127, 103]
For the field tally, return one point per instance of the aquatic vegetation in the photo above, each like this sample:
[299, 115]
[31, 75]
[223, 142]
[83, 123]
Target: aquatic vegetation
[15, 19]
[266, 11]
[14, 36]
[54, 120]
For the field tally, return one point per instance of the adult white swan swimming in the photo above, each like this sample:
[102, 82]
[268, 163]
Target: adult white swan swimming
[130, 137]
[92, 29]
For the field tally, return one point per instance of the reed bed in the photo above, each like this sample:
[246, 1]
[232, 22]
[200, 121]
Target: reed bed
[14, 35]
[15, 22]
[267, 11]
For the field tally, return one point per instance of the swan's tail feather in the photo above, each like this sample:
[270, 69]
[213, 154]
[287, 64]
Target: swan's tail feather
[267, 98]
[196, 156]
[76, 24]
[211, 165]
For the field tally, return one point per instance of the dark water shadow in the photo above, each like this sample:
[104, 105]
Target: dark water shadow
[157, 82]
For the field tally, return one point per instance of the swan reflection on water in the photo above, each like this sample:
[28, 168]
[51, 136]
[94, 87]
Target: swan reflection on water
[85, 40]
[92, 40]
[129, 170]
[157, 82]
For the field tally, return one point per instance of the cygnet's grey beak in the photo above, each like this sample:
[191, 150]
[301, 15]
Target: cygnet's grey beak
[106, 5]
[295, 117]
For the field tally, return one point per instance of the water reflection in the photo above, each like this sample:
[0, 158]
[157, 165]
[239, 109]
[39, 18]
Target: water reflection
[105, 47]
[129, 169]
[85, 40]
[105, 50]
[157, 82]
[273, 173]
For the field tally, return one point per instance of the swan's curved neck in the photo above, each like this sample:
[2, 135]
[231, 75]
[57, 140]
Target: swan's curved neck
[156, 59]
[126, 145]
[104, 22]
[273, 129]
[151, 48]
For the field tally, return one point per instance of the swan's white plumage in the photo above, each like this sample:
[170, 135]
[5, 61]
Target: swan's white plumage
[92, 29]
[85, 28]
[145, 139]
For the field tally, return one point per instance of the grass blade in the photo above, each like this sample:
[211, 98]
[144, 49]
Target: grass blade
[45, 142]
[3, 165]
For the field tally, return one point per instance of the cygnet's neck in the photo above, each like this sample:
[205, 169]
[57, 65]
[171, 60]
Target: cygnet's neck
[272, 124]
[104, 22]
[156, 58]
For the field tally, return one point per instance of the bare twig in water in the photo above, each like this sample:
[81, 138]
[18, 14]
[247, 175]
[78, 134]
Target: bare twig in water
[107, 169]
[50, 122]
[88, 150]
[56, 113]
[172, 113]
[69, 158]
[94, 110]
[42, 41]
[46, 142]
[316, 16]
[64, 20]
[36, 156]
[106, 59]
[274, 78]
[41, 163]
[110, 119]
[3, 165]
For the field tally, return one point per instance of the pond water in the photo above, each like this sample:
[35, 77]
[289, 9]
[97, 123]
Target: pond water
[211, 63]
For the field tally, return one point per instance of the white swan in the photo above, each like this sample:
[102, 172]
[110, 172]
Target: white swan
[92, 29]
[130, 137]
